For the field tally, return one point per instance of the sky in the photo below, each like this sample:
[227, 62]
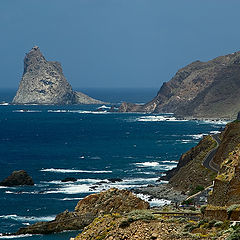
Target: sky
[116, 43]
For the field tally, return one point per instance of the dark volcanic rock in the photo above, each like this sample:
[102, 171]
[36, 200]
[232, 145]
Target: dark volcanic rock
[201, 89]
[113, 180]
[110, 201]
[69, 179]
[43, 82]
[17, 178]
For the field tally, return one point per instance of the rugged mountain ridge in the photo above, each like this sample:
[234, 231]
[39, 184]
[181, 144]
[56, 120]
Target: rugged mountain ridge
[201, 89]
[43, 82]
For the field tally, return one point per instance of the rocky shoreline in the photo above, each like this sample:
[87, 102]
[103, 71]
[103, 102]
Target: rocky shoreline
[161, 191]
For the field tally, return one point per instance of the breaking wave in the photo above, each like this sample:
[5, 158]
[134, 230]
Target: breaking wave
[58, 170]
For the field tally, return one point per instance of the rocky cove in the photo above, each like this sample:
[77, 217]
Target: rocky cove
[119, 214]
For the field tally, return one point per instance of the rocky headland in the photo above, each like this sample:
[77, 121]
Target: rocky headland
[43, 82]
[87, 209]
[199, 90]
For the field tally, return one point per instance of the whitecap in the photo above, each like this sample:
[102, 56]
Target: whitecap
[71, 189]
[196, 136]
[217, 122]
[215, 132]
[147, 164]
[58, 170]
[28, 218]
[158, 119]
[104, 107]
[154, 201]
[15, 236]
[70, 199]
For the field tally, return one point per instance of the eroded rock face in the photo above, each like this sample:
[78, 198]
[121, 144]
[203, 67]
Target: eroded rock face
[113, 200]
[17, 178]
[43, 82]
[201, 89]
[190, 172]
[110, 201]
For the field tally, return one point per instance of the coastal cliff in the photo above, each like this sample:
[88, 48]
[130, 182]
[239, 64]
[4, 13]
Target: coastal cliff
[201, 90]
[190, 172]
[43, 82]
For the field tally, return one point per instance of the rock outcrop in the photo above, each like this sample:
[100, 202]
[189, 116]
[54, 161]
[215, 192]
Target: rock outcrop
[110, 201]
[117, 227]
[43, 82]
[201, 89]
[17, 178]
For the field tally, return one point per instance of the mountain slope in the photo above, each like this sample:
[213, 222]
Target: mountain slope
[201, 89]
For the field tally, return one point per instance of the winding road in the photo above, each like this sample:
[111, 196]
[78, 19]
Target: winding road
[207, 162]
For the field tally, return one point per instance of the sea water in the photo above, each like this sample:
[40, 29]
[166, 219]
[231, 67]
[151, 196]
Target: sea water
[55, 142]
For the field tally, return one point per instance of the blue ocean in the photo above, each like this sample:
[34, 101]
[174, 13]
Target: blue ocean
[55, 142]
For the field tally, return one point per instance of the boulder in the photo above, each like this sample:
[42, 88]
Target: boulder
[17, 178]
[69, 179]
[113, 180]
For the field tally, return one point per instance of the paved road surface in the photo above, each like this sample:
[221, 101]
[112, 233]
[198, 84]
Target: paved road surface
[207, 162]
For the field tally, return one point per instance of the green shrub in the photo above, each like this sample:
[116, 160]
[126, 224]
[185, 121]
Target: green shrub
[203, 208]
[141, 215]
[198, 188]
[235, 235]
[218, 224]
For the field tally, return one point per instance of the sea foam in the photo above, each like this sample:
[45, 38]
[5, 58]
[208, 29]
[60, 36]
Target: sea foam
[58, 170]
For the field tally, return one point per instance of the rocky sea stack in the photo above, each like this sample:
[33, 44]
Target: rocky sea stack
[199, 90]
[43, 82]
[17, 178]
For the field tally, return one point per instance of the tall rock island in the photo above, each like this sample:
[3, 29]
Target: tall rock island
[43, 82]
[200, 89]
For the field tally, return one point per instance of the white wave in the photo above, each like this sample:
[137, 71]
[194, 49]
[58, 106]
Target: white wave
[58, 170]
[15, 236]
[169, 162]
[215, 132]
[71, 199]
[71, 189]
[135, 180]
[147, 164]
[26, 111]
[167, 167]
[87, 180]
[104, 107]
[4, 104]
[77, 111]
[218, 122]
[153, 202]
[158, 119]
[28, 218]
[197, 136]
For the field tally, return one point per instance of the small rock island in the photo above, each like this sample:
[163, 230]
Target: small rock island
[43, 82]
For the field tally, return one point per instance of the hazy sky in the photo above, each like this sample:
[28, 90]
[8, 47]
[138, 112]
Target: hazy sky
[116, 43]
